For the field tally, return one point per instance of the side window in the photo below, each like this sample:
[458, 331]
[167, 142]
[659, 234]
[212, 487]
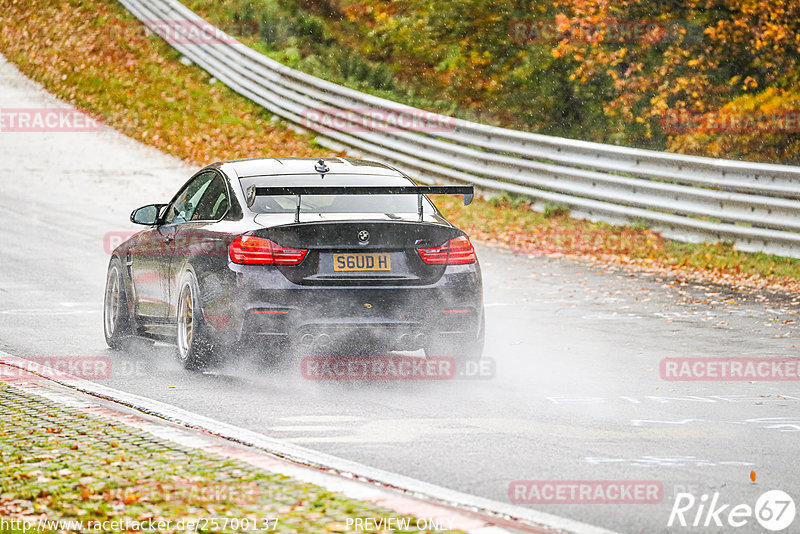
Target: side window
[183, 207]
[214, 202]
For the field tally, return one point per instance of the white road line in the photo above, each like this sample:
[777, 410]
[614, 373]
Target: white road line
[310, 428]
[323, 418]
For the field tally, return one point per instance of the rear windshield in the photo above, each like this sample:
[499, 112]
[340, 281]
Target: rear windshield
[399, 204]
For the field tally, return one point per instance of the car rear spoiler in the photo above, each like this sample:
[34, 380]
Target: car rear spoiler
[467, 190]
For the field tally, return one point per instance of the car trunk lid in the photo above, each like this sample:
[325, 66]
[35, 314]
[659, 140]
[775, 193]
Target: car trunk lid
[362, 252]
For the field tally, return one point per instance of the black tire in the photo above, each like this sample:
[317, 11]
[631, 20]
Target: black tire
[460, 350]
[193, 348]
[117, 324]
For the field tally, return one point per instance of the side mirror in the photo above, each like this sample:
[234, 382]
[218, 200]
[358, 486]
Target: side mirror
[147, 215]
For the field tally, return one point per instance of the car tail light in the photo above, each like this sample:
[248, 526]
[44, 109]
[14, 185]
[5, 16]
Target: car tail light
[249, 249]
[457, 251]
[461, 251]
[434, 256]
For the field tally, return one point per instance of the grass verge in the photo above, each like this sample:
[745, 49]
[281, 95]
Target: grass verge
[62, 465]
[511, 222]
[94, 54]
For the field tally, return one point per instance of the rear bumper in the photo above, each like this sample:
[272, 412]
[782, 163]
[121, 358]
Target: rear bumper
[263, 306]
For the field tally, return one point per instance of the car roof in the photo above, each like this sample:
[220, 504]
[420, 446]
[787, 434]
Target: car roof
[246, 168]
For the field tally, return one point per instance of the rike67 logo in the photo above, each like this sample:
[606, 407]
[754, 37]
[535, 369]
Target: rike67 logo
[774, 510]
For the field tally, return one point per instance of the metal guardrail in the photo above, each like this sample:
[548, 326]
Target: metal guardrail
[686, 197]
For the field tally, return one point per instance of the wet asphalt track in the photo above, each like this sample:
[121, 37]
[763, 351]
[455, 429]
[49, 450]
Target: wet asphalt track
[576, 392]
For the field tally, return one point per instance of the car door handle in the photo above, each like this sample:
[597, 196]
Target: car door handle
[169, 239]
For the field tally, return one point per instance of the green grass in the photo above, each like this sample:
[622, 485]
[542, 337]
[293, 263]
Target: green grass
[506, 221]
[62, 464]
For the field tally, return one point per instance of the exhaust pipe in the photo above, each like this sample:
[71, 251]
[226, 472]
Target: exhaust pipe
[307, 340]
[405, 340]
[421, 339]
[323, 340]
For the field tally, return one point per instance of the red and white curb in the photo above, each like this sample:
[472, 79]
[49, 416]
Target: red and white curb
[402, 494]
